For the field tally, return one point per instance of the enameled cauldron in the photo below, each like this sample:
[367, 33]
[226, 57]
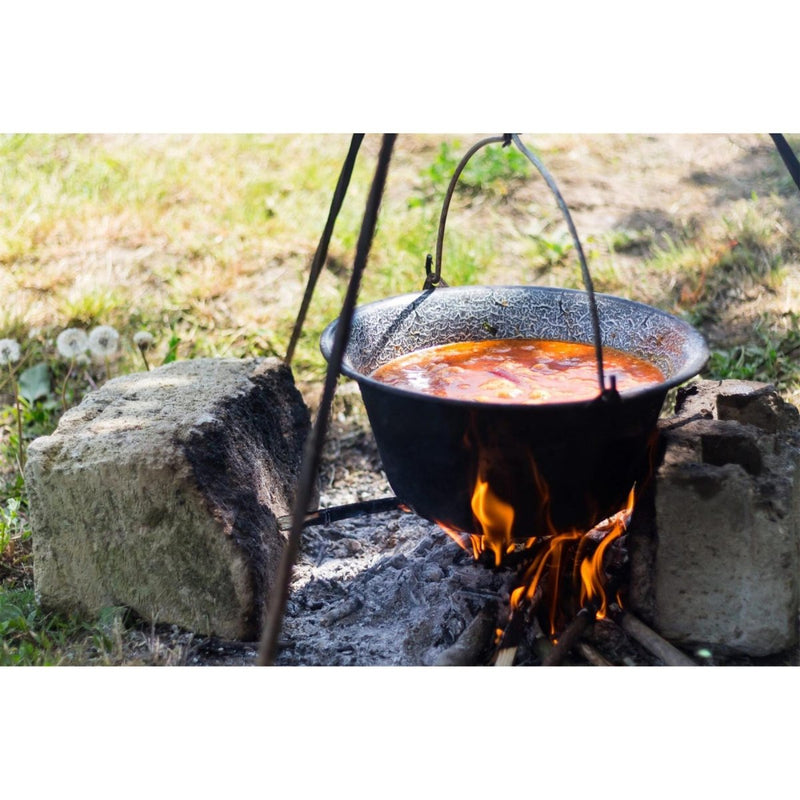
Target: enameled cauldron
[561, 466]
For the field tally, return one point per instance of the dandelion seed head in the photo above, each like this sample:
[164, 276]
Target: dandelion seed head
[143, 340]
[71, 342]
[103, 341]
[9, 351]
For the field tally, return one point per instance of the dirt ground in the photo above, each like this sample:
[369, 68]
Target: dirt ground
[653, 191]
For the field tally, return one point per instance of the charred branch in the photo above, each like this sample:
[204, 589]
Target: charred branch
[521, 618]
[473, 643]
[570, 637]
[649, 639]
[592, 655]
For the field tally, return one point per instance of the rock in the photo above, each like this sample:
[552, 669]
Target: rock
[748, 402]
[161, 492]
[715, 552]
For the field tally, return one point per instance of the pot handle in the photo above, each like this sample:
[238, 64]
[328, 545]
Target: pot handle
[434, 275]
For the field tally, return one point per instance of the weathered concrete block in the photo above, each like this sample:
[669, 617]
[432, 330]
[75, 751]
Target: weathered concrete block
[749, 402]
[161, 490]
[717, 558]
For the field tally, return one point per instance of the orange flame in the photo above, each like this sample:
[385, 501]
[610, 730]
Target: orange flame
[588, 576]
[551, 559]
[496, 518]
[456, 535]
[591, 569]
[562, 558]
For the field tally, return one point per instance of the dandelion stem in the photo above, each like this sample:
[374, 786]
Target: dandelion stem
[90, 380]
[12, 373]
[12, 378]
[64, 386]
[20, 443]
[144, 358]
[9, 354]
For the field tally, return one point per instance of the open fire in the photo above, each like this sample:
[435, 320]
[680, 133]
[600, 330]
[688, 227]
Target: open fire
[560, 573]
[377, 586]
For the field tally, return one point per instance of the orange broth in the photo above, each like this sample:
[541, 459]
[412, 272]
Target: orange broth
[515, 371]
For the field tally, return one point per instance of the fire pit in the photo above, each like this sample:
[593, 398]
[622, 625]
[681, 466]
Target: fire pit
[391, 588]
[545, 484]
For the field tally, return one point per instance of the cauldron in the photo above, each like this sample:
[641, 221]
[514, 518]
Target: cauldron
[562, 466]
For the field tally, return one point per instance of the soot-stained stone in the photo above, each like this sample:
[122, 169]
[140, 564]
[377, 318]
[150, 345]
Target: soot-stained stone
[161, 492]
[715, 561]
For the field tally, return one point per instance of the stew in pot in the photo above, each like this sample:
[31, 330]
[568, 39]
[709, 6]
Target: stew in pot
[527, 371]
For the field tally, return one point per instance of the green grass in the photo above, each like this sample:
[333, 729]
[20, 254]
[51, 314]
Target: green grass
[13, 527]
[770, 355]
[31, 637]
[624, 241]
[491, 170]
[205, 241]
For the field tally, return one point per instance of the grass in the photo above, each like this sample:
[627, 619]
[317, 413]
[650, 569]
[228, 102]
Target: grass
[770, 355]
[13, 527]
[492, 170]
[205, 241]
[30, 637]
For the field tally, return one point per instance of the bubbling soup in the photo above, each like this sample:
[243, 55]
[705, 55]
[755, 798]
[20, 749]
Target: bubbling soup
[528, 371]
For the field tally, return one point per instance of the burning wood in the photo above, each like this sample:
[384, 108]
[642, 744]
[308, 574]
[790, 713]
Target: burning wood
[557, 570]
[570, 637]
[509, 638]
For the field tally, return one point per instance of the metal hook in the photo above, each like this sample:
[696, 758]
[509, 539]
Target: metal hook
[431, 280]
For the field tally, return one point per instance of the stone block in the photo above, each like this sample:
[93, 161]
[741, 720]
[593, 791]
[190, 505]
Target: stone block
[715, 559]
[161, 492]
[748, 402]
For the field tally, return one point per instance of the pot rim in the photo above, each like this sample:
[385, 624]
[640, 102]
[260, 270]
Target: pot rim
[691, 368]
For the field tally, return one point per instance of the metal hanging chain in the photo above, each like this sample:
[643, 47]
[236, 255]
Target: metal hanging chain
[313, 447]
[788, 156]
[322, 249]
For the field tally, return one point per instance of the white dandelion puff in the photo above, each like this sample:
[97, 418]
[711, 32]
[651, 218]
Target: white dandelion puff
[103, 341]
[9, 351]
[72, 342]
[143, 340]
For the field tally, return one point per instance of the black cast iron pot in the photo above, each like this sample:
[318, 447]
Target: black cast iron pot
[561, 466]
